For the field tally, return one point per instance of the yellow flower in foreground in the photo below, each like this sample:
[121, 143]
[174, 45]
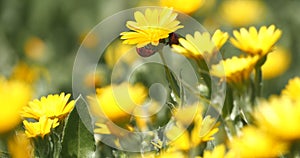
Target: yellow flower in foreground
[52, 106]
[256, 42]
[203, 131]
[241, 12]
[200, 45]
[185, 6]
[218, 152]
[234, 70]
[117, 102]
[151, 27]
[279, 116]
[181, 139]
[292, 89]
[277, 63]
[40, 128]
[255, 143]
[19, 146]
[14, 95]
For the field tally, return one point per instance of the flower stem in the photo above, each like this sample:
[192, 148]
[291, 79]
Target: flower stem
[258, 76]
[203, 70]
[258, 81]
[172, 80]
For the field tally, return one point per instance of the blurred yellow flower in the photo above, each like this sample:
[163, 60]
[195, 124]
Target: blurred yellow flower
[201, 45]
[146, 115]
[101, 128]
[35, 48]
[151, 27]
[52, 106]
[89, 40]
[117, 102]
[279, 116]
[203, 131]
[40, 128]
[242, 12]
[207, 129]
[292, 89]
[235, 69]
[187, 114]
[185, 6]
[256, 42]
[118, 52]
[218, 152]
[255, 143]
[94, 79]
[29, 74]
[19, 146]
[181, 139]
[277, 63]
[14, 95]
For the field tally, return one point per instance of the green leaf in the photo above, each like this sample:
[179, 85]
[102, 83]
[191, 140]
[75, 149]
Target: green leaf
[78, 139]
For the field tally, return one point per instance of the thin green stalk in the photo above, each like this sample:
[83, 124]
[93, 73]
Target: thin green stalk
[56, 148]
[258, 76]
[258, 81]
[172, 85]
[204, 72]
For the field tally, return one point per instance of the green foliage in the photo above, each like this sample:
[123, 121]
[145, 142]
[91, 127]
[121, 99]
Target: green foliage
[78, 140]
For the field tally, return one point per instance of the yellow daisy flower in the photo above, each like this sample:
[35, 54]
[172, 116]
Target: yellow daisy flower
[256, 42]
[292, 89]
[200, 45]
[40, 128]
[255, 143]
[52, 106]
[219, 152]
[14, 95]
[150, 27]
[279, 116]
[203, 131]
[117, 102]
[19, 146]
[235, 69]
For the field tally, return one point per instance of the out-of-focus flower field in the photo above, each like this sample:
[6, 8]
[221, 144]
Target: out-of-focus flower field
[257, 39]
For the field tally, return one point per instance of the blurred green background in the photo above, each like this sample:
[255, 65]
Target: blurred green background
[48, 33]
